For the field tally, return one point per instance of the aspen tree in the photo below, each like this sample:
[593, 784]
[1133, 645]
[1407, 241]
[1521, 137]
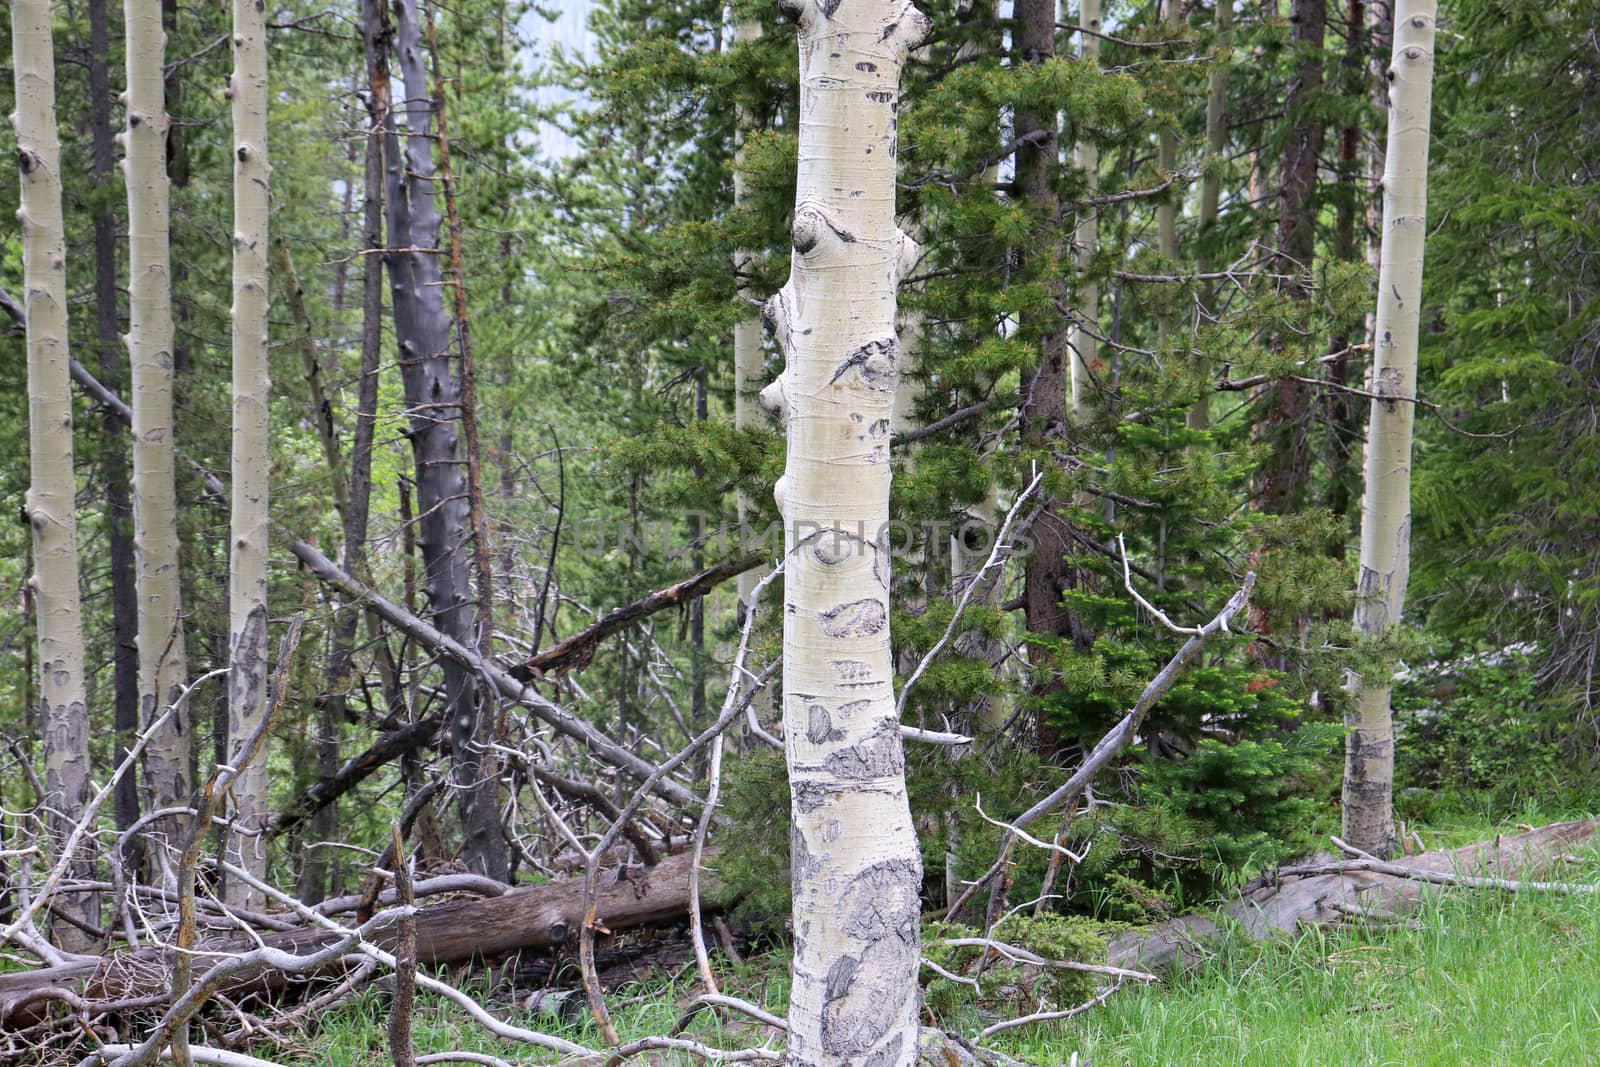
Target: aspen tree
[247, 565]
[162, 660]
[857, 871]
[1368, 811]
[52, 485]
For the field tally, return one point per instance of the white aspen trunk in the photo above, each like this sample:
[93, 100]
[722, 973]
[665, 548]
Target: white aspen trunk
[1199, 417]
[1085, 346]
[162, 660]
[252, 463]
[857, 872]
[52, 485]
[1386, 505]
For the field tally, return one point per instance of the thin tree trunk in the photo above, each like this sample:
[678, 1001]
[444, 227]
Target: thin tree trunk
[1167, 211]
[163, 665]
[311, 367]
[1342, 409]
[1051, 393]
[113, 431]
[49, 507]
[1386, 507]
[247, 562]
[319, 871]
[857, 871]
[1199, 417]
[433, 397]
[1085, 346]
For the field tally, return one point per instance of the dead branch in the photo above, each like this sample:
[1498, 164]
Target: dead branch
[1048, 1016]
[575, 652]
[1118, 738]
[998, 553]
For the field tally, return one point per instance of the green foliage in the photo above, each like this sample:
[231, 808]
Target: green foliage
[1010, 988]
[1479, 726]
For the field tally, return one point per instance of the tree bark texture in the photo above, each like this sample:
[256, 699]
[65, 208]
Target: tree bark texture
[433, 398]
[1051, 398]
[1386, 506]
[52, 485]
[252, 454]
[856, 868]
[163, 665]
[1286, 422]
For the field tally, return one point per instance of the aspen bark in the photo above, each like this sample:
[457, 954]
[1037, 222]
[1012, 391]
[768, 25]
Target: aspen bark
[163, 663]
[857, 871]
[247, 562]
[1085, 345]
[49, 505]
[1386, 507]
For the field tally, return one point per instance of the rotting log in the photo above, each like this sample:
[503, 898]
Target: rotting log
[539, 917]
[1277, 904]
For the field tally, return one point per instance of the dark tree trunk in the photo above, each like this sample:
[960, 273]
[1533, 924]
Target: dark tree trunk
[433, 396]
[1287, 419]
[1045, 405]
[113, 431]
[1342, 411]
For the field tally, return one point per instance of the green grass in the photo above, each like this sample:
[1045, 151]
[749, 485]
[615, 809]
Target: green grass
[1480, 978]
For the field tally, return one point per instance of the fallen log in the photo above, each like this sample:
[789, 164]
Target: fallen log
[1328, 890]
[530, 917]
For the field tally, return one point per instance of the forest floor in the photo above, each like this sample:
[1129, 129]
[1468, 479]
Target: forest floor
[1473, 978]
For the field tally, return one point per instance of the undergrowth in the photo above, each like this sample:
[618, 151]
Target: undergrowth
[1473, 978]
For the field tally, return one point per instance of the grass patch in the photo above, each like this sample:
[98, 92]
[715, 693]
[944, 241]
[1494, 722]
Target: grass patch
[1483, 978]
[1480, 978]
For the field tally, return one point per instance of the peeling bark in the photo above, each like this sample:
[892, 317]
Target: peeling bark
[49, 505]
[1386, 506]
[163, 664]
[856, 868]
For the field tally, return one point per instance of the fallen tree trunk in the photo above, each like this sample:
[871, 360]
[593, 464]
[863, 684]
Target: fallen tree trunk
[532, 917]
[1328, 890]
